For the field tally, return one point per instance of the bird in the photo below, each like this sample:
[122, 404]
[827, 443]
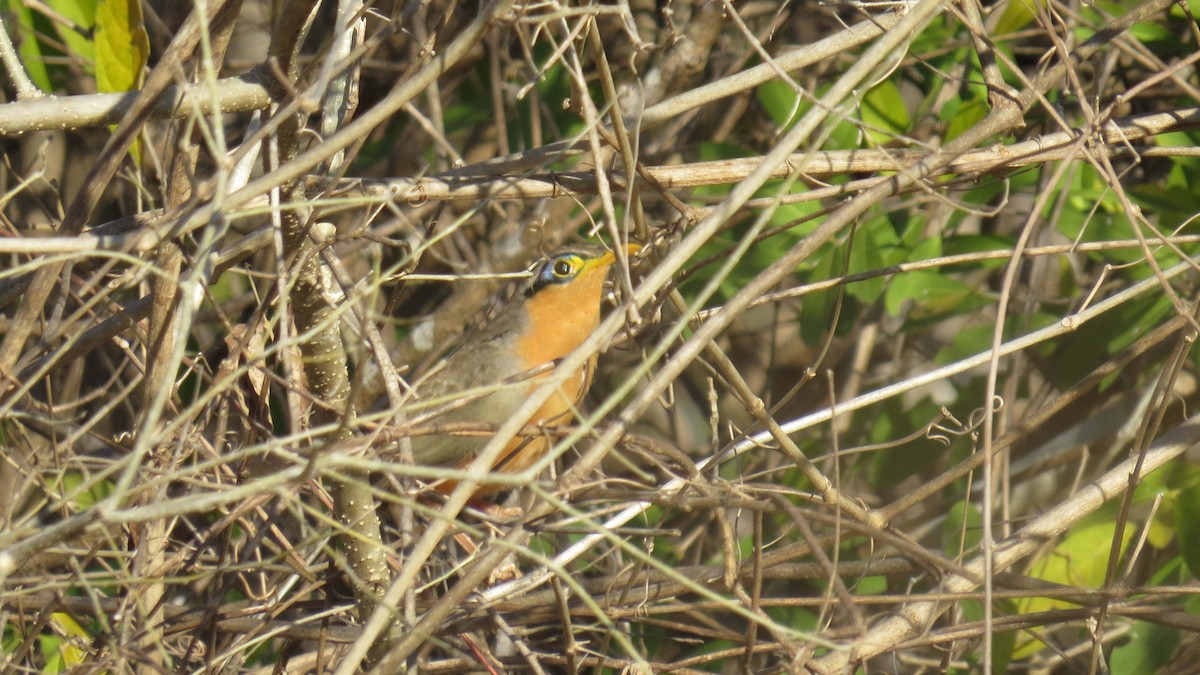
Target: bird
[497, 366]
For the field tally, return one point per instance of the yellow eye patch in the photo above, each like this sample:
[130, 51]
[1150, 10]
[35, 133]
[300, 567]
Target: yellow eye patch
[567, 266]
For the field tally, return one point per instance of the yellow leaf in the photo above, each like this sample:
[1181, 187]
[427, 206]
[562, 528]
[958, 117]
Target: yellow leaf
[122, 48]
[70, 654]
[1079, 561]
[1017, 15]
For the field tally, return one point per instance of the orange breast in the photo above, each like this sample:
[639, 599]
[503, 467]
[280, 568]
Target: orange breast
[561, 318]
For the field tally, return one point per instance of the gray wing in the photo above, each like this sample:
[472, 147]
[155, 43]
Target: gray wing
[491, 402]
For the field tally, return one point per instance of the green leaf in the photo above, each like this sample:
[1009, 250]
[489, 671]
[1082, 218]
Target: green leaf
[977, 338]
[969, 114]
[875, 246]
[960, 531]
[1149, 648]
[1003, 642]
[76, 33]
[70, 654]
[1080, 352]
[816, 311]
[932, 293]
[1171, 483]
[1162, 197]
[914, 237]
[871, 586]
[785, 106]
[889, 467]
[712, 151]
[1187, 526]
[884, 113]
[122, 49]
[781, 102]
[963, 244]
[1017, 15]
[1184, 173]
[1079, 561]
[122, 46]
[463, 117]
[796, 213]
[1151, 31]
[85, 494]
[1138, 324]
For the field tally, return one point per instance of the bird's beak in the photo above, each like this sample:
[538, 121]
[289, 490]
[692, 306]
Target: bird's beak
[609, 257]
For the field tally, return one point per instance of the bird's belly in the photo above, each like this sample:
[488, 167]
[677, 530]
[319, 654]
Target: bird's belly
[526, 449]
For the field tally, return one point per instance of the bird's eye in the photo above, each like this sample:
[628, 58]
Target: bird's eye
[563, 268]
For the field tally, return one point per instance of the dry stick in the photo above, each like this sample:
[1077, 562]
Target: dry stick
[840, 660]
[383, 615]
[341, 98]
[761, 284]
[170, 323]
[988, 477]
[997, 87]
[959, 259]
[687, 582]
[155, 402]
[325, 362]
[709, 93]
[627, 595]
[230, 95]
[658, 278]
[1069, 73]
[757, 408]
[682, 68]
[103, 515]
[915, 616]
[1044, 414]
[146, 239]
[832, 567]
[625, 145]
[480, 467]
[25, 87]
[1148, 429]
[99, 176]
[538, 608]
[402, 93]
[183, 619]
[820, 163]
[1068, 325]
[972, 630]
[140, 233]
[1105, 167]
[429, 623]
[139, 309]
[124, 317]
[591, 117]
[252, 193]
[1158, 69]
[986, 128]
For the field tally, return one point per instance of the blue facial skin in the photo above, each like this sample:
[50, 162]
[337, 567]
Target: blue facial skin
[557, 270]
